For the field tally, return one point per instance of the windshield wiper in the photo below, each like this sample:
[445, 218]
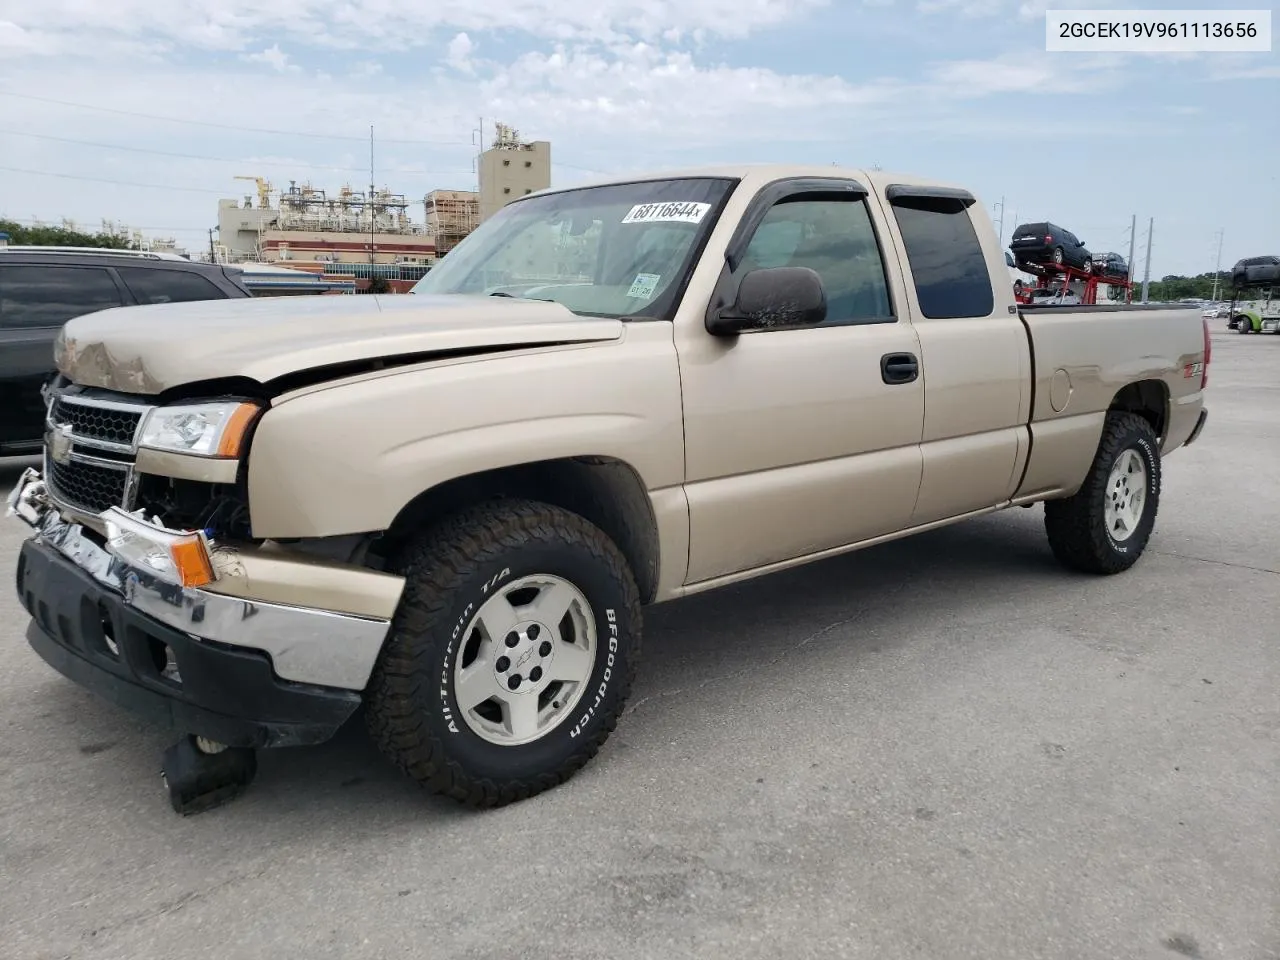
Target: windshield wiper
[503, 293]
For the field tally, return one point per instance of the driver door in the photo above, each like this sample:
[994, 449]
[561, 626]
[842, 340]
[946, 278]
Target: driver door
[803, 440]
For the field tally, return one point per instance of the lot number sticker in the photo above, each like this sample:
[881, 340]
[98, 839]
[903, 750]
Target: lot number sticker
[674, 212]
[643, 286]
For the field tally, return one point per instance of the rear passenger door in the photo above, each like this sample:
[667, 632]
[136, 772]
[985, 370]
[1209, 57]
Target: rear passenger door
[974, 349]
[160, 285]
[35, 301]
[802, 440]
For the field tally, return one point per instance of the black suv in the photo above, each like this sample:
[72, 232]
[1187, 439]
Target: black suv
[1048, 243]
[43, 287]
[1110, 265]
[1256, 272]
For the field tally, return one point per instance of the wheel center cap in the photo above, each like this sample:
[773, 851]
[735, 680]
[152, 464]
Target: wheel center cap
[523, 657]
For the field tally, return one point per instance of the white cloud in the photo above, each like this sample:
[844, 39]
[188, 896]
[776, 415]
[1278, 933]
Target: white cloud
[15, 39]
[273, 57]
[392, 24]
[615, 84]
[458, 53]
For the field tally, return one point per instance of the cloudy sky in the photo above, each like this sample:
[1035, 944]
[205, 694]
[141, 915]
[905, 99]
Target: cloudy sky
[143, 111]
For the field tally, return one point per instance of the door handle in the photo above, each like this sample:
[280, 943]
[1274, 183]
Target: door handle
[898, 368]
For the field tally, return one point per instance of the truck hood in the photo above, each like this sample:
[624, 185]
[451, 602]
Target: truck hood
[149, 349]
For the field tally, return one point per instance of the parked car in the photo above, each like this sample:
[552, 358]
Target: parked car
[1043, 297]
[42, 287]
[451, 507]
[1256, 272]
[1049, 244]
[1110, 266]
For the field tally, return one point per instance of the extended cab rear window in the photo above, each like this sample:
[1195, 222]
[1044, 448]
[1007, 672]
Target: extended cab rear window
[947, 262]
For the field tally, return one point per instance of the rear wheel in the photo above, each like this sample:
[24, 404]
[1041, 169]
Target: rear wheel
[1105, 526]
[511, 656]
[1059, 258]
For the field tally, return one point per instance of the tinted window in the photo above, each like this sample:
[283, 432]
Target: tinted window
[168, 286]
[40, 296]
[834, 238]
[946, 258]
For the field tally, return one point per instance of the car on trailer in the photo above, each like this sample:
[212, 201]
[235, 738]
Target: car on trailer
[1110, 266]
[1048, 244]
[1255, 295]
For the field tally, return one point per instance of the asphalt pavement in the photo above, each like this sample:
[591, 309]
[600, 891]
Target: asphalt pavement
[942, 748]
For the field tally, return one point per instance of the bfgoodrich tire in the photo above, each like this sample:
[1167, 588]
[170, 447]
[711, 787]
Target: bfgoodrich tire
[511, 656]
[1105, 526]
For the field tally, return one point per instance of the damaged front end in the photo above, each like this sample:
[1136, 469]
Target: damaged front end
[148, 589]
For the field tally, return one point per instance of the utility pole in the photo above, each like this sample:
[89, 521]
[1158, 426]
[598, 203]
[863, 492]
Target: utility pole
[1133, 237]
[1217, 266]
[1001, 220]
[1146, 270]
[213, 257]
[369, 207]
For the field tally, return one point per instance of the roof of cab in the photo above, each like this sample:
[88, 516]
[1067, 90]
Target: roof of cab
[759, 173]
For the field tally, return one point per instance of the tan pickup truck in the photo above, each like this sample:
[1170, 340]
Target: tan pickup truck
[254, 516]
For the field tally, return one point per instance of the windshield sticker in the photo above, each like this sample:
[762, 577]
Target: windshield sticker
[643, 286]
[675, 212]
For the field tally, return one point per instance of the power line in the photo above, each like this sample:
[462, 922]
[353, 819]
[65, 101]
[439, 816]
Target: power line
[117, 183]
[221, 126]
[180, 156]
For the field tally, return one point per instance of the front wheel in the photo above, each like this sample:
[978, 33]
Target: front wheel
[511, 656]
[1244, 325]
[1105, 526]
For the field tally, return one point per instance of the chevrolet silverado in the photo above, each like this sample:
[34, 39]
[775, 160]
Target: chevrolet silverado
[255, 516]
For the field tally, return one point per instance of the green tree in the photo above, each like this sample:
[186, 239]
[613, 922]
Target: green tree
[51, 236]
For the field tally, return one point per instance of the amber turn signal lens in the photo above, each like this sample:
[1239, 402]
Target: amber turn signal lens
[237, 426]
[191, 561]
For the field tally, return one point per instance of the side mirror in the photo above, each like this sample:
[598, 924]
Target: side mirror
[773, 298]
[1079, 243]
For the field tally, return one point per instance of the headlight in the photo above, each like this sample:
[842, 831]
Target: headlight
[202, 429]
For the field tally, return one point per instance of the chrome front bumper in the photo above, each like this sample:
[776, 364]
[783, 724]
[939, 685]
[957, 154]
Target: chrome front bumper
[306, 645]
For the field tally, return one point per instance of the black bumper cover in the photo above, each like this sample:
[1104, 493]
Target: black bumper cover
[1195, 433]
[226, 694]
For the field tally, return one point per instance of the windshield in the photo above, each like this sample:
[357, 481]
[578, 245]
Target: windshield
[615, 251]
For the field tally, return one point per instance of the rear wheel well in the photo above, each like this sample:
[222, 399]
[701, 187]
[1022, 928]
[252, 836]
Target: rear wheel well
[1149, 399]
[607, 492]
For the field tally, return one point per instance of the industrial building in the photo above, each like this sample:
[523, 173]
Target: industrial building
[361, 234]
[510, 169]
[352, 229]
[451, 215]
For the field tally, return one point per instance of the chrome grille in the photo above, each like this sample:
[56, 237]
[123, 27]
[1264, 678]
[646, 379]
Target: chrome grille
[91, 486]
[90, 448]
[116, 424]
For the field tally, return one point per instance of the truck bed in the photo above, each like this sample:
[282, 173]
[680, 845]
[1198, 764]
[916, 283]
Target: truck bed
[1082, 356]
